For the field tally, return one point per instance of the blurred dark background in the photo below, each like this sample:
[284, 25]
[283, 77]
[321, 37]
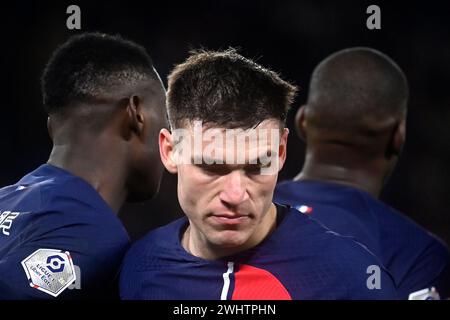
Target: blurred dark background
[289, 36]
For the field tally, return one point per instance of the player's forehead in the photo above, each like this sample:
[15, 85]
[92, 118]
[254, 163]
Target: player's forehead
[265, 124]
[206, 144]
[261, 130]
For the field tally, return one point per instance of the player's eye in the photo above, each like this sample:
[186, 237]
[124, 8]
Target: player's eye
[214, 169]
[256, 168]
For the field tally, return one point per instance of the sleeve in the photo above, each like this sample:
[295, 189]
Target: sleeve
[364, 275]
[66, 255]
[129, 284]
[430, 270]
[133, 271]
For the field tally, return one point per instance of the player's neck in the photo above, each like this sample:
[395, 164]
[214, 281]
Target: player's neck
[90, 162]
[196, 243]
[367, 177]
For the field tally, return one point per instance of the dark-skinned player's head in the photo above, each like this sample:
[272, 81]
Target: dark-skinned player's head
[98, 85]
[357, 101]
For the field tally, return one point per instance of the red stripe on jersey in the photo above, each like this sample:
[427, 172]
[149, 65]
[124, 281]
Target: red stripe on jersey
[252, 283]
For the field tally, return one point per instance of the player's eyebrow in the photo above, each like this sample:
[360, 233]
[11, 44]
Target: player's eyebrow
[269, 155]
[196, 159]
[206, 160]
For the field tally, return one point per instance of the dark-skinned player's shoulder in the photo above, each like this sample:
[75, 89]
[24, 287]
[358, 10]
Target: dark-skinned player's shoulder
[417, 259]
[344, 268]
[58, 238]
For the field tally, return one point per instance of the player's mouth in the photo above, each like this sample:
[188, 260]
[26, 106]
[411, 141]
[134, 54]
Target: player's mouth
[229, 219]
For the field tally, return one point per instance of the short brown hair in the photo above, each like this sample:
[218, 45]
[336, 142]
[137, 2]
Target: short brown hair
[226, 89]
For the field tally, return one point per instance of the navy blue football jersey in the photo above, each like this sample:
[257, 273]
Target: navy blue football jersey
[58, 238]
[300, 259]
[416, 259]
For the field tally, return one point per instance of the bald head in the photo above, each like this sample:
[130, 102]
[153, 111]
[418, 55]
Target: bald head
[354, 119]
[357, 90]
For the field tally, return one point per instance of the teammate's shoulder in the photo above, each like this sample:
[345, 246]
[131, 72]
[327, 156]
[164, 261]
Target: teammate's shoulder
[71, 198]
[341, 259]
[283, 184]
[43, 186]
[298, 224]
[166, 235]
[359, 270]
[312, 235]
[407, 233]
[163, 238]
[156, 250]
[53, 203]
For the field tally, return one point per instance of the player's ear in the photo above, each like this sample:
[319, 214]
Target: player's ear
[282, 150]
[300, 122]
[135, 115]
[49, 127]
[167, 150]
[398, 138]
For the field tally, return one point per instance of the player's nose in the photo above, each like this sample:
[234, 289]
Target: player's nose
[234, 191]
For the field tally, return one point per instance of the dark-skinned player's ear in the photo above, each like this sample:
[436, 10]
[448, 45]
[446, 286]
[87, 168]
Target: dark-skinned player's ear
[49, 128]
[300, 123]
[397, 139]
[400, 136]
[136, 117]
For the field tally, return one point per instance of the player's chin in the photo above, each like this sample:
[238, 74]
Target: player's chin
[230, 238]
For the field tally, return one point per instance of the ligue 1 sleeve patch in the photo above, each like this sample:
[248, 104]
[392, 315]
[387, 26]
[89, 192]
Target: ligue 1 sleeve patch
[425, 294]
[49, 270]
